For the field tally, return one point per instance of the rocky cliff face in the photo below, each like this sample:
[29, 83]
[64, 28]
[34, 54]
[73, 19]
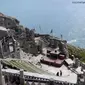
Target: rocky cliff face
[31, 42]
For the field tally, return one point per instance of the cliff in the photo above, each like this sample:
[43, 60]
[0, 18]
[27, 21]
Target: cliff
[77, 52]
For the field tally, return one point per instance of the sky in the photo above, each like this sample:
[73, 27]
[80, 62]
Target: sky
[62, 16]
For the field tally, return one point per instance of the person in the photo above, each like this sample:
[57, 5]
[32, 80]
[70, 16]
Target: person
[60, 73]
[57, 74]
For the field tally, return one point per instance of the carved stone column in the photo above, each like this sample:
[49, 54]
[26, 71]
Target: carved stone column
[21, 77]
[1, 82]
[27, 83]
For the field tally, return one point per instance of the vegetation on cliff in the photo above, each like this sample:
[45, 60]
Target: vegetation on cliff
[77, 52]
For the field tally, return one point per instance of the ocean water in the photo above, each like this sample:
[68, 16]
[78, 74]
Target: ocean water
[78, 43]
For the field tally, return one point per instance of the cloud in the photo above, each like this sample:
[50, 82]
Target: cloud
[72, 41]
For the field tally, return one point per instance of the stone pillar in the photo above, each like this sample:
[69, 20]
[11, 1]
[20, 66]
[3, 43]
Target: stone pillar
[33, 83]
[39, 83]
[21, 77]
[77, 62]
[27, 83]
[1, 82]
[84, 78]
[17, 49]
[1, 49]
[51, 82]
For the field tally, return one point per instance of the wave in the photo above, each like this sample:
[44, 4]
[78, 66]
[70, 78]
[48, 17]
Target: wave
[72, 41]
[80, 42]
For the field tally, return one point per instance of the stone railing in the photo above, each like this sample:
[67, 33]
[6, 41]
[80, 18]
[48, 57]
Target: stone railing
[16, 77]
